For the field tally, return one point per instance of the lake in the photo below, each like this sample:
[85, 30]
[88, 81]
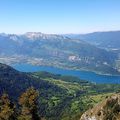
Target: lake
[90, 76]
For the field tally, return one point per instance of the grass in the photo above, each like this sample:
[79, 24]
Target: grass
[70, 87]
[99, 97]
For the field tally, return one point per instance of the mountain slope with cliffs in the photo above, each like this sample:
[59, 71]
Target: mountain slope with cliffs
[55, 50]
[109, 109]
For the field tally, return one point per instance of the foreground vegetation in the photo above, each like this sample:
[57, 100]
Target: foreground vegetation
[77, 96]
[27, 110]
[60, 97]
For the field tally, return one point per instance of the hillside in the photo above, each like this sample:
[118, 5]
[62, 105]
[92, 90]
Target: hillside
[55, 50]
[60, 97]
[108, 39]
[108, 109]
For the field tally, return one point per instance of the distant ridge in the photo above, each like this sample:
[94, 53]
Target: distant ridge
[105, 39]
[59, 51]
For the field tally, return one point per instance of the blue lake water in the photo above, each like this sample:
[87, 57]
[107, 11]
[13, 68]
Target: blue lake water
[90, 76]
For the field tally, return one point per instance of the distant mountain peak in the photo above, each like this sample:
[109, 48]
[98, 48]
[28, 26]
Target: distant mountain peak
[33, 35]
[37, 35]
[14, 37]
[3, 34]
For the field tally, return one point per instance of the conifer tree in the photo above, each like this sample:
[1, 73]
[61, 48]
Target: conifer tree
[7, 108]
[29, 105]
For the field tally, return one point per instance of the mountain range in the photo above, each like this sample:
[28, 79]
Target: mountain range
[109, 40]
[60, 51]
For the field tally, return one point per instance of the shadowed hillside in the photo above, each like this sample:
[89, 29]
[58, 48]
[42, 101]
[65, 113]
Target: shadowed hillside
[61, 97]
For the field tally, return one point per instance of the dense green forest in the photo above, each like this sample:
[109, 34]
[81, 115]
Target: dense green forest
[56, 97]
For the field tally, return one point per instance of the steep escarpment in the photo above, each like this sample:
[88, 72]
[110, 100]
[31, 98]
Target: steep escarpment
[108, 109]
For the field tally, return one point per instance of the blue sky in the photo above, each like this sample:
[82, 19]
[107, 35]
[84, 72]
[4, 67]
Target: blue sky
[59, 16]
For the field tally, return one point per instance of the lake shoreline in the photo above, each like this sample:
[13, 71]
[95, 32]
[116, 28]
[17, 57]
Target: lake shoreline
[84, 70]
[85, 75]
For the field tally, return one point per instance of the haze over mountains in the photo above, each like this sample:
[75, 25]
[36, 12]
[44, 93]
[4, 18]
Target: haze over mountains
[110, 40]
[84, 52]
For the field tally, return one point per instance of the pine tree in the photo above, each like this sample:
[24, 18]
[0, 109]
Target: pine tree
[29, 105]
[7, 108]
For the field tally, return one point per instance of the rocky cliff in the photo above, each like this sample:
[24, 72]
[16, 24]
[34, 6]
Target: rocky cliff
[109, 109]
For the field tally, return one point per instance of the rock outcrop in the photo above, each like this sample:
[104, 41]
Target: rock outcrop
[108, 109]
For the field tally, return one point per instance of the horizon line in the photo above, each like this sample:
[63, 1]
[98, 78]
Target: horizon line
[59, 33]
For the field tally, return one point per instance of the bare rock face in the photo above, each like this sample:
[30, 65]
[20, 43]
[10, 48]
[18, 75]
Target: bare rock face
[108, 109]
